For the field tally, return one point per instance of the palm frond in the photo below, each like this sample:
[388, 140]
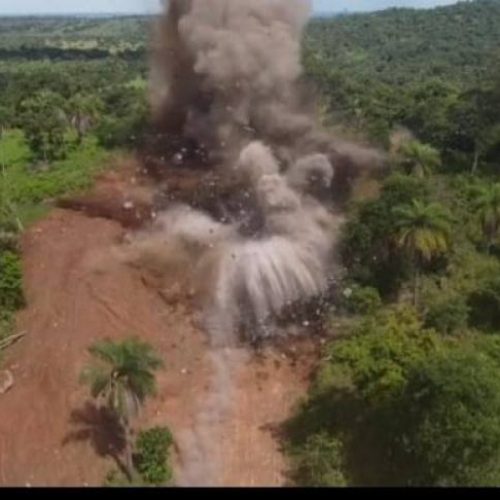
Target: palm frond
[423, 229]
[98, 378]
[125, 374]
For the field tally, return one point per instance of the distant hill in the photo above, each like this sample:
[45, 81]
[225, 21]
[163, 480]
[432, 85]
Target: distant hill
[397, 46]
[74, 31]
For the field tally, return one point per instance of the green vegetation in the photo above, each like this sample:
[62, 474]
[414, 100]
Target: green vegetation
[348, 408]
[123, 375]
[450, 410]
[423, 232]
[153, 456]
[151, 460]
[433, 72]
[11, 294]
[11, 290]
[410, 395]
[488, 209]
[27, 185]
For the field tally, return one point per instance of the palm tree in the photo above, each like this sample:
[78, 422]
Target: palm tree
[84, 111]
[488, 210]
[423, 230]
[417, 158]
[123, 375]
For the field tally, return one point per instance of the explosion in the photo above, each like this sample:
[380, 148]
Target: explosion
[227, 93]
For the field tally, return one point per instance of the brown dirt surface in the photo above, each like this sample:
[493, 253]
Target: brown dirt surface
[122, 194]
[51, 432]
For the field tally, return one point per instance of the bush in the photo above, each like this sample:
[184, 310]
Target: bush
[449, 421]
[153, 455]
[27, 189]
[117, 132]
[320, 462]
[344, 430]
[378, 355]
[11, 291]
[484, 303]
[361, 300]
[448, 315]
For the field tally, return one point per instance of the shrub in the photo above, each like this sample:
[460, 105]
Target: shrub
[361, 300]
[153, 455]
[113, 133]
[345, 428]
[11, 291]
[484, 303]
[383, 346]
[448, 421]
[320, 462]
[448, 315]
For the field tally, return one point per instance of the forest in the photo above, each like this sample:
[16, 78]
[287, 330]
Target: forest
[406, 393]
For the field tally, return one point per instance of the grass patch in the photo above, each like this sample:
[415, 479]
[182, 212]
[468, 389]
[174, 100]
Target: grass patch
[29, 185]
[29, 188]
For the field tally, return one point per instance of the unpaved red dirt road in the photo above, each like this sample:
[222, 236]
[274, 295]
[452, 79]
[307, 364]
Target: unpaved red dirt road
[52, 434]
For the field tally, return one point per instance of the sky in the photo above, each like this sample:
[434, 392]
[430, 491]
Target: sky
[8, 7]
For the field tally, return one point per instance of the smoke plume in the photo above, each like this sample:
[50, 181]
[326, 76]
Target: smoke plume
[226, 80]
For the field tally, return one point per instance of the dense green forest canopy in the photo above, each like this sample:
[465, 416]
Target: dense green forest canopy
[405, 46]
[434, 72]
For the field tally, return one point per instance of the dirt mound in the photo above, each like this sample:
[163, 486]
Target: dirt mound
[123, 195]
[51, 433]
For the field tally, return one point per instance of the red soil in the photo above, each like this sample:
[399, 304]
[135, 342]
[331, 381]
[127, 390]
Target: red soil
[51, 433]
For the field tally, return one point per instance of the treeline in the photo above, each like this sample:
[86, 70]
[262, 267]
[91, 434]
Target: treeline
[49, 99]
[103, 32]
[25, 52]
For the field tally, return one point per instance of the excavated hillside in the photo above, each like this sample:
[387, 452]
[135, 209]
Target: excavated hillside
[51, 431]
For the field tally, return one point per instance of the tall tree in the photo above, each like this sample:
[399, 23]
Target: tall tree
[123, 374]
[417, 158]
[476, 124]
[488, 210]
[84, 111]
[423, 231]
[43, 121]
